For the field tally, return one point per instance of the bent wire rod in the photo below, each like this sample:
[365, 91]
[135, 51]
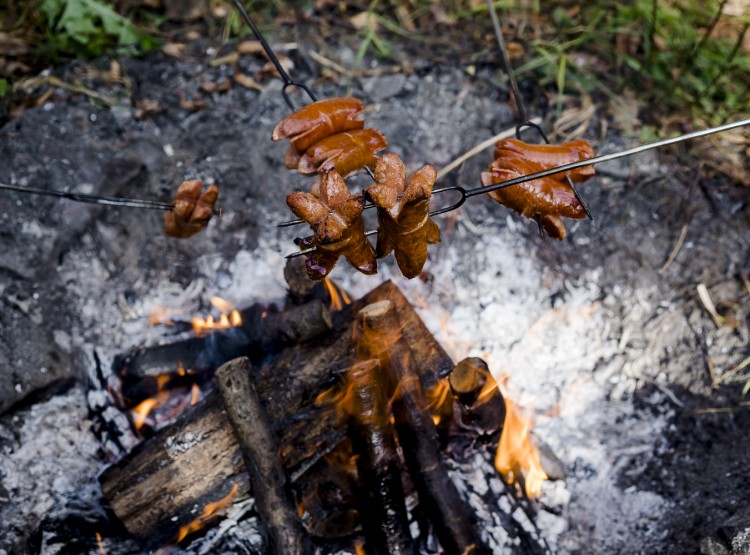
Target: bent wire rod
[288, 81]
[525, 122]
[465, 194]
[94, 199]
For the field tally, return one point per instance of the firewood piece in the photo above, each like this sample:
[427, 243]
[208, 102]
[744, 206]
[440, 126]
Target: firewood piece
[154, 490]
[378, 335]
[300, 287]
[273, 497]
[382, 509]
[482, 407]
[256, 336]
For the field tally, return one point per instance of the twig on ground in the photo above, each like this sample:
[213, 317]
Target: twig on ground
[479, 148]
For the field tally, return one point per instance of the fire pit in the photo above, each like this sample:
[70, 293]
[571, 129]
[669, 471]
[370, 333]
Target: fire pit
[604, 338]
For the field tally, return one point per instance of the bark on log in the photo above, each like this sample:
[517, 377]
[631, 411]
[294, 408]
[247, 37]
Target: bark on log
[378, 335]
[156, 488]
[273, 497]
[381, 508]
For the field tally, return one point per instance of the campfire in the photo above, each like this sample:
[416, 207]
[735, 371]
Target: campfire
[416, 382]
[329, 393]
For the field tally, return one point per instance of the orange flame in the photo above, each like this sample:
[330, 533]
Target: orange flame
[439, 400]
[210, 511]
[339, 298]
[100, 543]
[143, 409]
[162, 315]
[195, 394]
[230, 317]
[141, 412]
[517, 456]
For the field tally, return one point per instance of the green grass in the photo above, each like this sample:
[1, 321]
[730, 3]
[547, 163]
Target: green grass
[665, 51]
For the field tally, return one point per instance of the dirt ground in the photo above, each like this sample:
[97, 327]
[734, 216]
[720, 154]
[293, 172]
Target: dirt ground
[655, 454]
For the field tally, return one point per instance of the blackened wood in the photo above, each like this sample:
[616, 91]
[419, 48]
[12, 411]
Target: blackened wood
[381, 507]
[259, 333]
[469, 379]
[196, 460]
[273, 497]
[378, 335]
[300, 287]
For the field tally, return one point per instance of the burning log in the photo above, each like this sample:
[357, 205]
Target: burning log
[481, 405]
[258, 334]
[378, 335]
[382, 510]
[284, 532]
[157, 487]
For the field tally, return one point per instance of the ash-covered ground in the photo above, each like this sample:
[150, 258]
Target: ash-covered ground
[605, 341]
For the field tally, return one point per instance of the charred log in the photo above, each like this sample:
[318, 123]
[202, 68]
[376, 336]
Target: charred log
[378, 335]
[300, 287]
[275, 504]
[196, 460]
[481, 405]
[259, 334]
[381, 507]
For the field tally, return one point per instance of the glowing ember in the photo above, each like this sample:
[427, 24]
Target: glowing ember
[339, 298]
[230, 317]
[517, 457]
[100, 543]
[210, 512]
[195, 394]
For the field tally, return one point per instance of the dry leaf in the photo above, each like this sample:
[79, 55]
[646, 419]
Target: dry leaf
[624, 110]
[251, 47]
[247, 82]
[269, 70]
[192, 105]
[516, 51]
[146, 108]
[364, 20]
[174, 49]
[12, 46]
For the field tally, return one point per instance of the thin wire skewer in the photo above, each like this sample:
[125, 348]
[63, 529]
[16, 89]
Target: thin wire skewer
[94, 199]
[519, 99]
[465, 194]
[288, 81]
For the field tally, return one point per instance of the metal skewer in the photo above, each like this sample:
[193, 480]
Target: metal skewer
[465, 194]
[288, 81]
[519, 99]
[95, 199]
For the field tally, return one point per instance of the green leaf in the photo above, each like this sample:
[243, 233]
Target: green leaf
[3, 87]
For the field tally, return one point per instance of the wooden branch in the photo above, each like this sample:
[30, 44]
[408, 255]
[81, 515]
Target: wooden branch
[274, 501]
[481, 405]
[381, 508]
[196, 460]
[379, 335]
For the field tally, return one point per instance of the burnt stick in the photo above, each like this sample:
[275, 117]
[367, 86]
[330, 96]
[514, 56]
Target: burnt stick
[378, 334]
[273, 497]
[481, 405]
[382, 510]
